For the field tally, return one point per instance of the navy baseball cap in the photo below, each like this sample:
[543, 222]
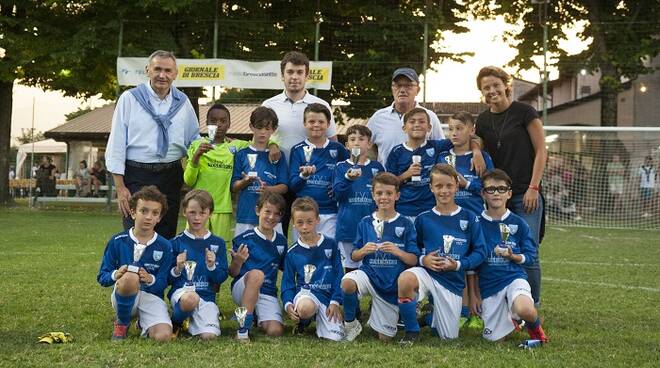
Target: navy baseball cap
[406, 72]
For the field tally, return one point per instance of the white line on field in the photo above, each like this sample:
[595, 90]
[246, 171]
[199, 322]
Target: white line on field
[45, 253]
[603, 284]
[584, 263]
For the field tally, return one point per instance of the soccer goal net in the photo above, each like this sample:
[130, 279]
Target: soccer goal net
[605, 177]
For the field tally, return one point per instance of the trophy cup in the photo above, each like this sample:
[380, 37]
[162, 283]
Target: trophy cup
[501, 248]
[309, 272]
[308, 150]
[252, 161]
[379, 228]
[190, 271]
[138, 249]
[447, 240]
[355, 157]
[241, 314]
[211, 129]
[416, 159]
[451, 160]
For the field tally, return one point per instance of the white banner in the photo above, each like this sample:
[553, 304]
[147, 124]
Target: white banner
[225, 73]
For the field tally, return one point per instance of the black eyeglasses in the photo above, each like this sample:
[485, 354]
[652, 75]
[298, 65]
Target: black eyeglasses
[501, 189]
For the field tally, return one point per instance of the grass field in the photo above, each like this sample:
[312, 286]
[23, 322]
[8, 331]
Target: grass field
[601, 292]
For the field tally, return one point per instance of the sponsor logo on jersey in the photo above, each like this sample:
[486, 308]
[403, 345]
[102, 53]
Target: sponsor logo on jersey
[430, 151]
[514, 229]
[399, 230]
[214, 248]
[333, 153]
[232, 149]
[158, 254]
[463, 224]
[280, 249]
[328, 253]
[374, 171]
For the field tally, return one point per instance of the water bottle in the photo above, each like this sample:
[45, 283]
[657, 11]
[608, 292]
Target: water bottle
[530, 344]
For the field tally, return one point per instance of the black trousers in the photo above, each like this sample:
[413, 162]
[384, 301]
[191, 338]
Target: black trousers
[169, 181]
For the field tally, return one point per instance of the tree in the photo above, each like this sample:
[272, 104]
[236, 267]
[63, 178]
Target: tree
[79, 112]
[623, 33]
[30, 135]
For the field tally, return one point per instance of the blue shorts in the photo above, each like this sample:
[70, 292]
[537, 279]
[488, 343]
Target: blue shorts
[645, 193]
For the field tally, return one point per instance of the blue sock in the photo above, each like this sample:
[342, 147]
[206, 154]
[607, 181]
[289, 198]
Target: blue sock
[350, 306]
[248, 323]
[533, 325]
[124, 308]
[428, 319]
[465, 311]
[178, 315]
[408, 313]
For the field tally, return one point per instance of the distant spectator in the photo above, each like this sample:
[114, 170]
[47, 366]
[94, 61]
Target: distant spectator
[12, 173]
[647, 175]
[46, 176]
[82, 180]
[616, 179]
[98, 175]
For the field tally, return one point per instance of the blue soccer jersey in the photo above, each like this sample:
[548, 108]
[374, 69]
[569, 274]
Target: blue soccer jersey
[468, 246]
[269, 173]
[383, 269]
[318, 185]
[416, 196]
[326, 280]
[497, 272]
[156, 259]
[353, 196]
[265, 254]
[469, 197]
[205, 280]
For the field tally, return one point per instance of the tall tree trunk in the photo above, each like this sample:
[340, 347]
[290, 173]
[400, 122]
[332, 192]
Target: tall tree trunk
[610, 85]
[5, 139]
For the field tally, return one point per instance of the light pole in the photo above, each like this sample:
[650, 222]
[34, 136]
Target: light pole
[543, 14]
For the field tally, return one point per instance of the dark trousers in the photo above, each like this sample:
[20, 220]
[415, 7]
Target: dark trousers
[169, 181]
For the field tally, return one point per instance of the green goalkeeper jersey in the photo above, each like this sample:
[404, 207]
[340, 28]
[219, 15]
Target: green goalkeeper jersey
[213, 173]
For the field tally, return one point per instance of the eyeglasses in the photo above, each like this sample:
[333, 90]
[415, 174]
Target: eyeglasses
[501, 189]
[404, 86]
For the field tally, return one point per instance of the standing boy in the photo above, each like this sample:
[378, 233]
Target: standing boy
[136, 262]
[316, 257]
[352, 189]
[386, 245]
[312, 164]
[254, 173]
[505, 293]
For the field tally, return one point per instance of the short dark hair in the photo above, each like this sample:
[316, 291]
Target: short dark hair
[385, 178]
[84, 162]
[416, 110]
[443, 169]
[317, 108]
[262, 117]
[359, 129]
[218, 106]
[304, 204]
[273, 198]
[148, 193]
[295, 58]
[496, 174]
[464, 117]
[201, 196]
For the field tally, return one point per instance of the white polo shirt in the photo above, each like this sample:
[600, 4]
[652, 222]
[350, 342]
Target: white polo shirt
[290, 129]
[386, 127]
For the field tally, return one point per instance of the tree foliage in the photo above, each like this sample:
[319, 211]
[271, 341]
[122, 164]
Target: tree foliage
[29, 136]
[623, 37]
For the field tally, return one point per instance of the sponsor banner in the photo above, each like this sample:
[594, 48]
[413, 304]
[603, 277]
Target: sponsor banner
[225, 73]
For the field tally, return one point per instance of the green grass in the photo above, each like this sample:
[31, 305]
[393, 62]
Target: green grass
[596, 308]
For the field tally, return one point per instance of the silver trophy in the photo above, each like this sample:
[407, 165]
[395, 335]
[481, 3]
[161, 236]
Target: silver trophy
[451, 160]
[309, 270]
[447, 241]
[211, 129]
[308, 150]
[379, 228]
[501, 248]
[138, 249]
[252, 161]
[241, 314]
[416, 159]
[189, 266]
[355, 157]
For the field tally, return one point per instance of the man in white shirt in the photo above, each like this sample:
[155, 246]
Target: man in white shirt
[290, 106]
[386, 124]
[152, 126]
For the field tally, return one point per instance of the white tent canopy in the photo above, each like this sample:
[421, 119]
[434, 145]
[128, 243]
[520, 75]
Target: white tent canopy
[41, 147]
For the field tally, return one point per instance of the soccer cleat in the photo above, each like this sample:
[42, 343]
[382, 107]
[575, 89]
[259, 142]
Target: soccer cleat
[475, 323]
[120, 332]
[176, 330]
[243, 336]
[518, 324]
[408, 339]
[352, 329]
[301, 326]
[538, 334]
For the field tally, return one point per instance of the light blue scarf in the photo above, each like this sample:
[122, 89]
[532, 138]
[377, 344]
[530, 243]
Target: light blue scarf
[141, 94]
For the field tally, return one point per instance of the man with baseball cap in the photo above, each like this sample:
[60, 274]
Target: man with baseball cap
[386, 124]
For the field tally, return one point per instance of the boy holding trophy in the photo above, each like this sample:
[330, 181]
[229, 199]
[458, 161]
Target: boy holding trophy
[256, 256]
[505, 293]
[136, 263]
[451, 241]
[386, 245]
[312, 274]
[351, 187]
[312, 164]
[254, 173]
[200, 266]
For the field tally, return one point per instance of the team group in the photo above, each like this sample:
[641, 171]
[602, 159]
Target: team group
[418, 223]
